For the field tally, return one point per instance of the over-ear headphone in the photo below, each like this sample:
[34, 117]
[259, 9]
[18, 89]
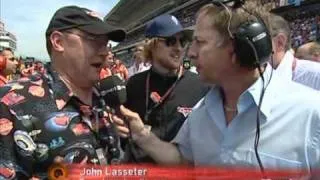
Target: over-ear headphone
[252, 40]
[3, 62]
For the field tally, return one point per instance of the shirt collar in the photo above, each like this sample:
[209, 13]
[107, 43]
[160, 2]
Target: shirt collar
[251, 95]
[61, 93]
[285, 67]
[255, 91]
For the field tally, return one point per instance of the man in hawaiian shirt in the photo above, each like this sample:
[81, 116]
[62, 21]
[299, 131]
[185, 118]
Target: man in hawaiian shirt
[49, 118]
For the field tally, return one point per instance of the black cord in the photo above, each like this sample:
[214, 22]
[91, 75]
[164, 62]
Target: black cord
[257, 136]
[264, 87]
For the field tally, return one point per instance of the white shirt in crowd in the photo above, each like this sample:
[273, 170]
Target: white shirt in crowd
[304, 71]
[134, 70]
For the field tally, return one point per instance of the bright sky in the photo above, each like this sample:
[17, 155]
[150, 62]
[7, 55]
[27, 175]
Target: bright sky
[28, 20]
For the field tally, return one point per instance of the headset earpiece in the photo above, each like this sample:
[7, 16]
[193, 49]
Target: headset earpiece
[253, 44]
[3, 62]
[252, 40]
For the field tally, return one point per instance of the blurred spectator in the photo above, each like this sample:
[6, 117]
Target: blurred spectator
[309, 51]
[39, 67]
[284, 62]
[139, 64]
[8, 65]
[120, 69]
[105, 70]
[8, 53]
[28, 70]
[3, 79]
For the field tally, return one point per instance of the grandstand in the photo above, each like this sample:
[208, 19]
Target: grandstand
[133, 15]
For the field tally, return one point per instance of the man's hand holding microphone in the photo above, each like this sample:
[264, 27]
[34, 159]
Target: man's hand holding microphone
[131, 126]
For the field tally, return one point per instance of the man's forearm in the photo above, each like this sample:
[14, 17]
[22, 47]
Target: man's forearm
[162, 152]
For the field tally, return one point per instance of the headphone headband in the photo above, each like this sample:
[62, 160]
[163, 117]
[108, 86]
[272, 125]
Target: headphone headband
[237, 3]
[252, 40]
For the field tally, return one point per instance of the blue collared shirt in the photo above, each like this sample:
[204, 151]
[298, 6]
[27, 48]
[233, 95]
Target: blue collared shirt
[290, 128]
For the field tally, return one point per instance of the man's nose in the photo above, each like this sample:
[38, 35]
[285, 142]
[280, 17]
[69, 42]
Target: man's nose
[192, 51]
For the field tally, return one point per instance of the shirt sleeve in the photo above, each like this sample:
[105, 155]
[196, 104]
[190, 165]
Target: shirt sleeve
[314, 142]
[182, 140]
[307, 73]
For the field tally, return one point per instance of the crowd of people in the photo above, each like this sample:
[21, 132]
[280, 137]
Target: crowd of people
[13, 68]
[251, 102]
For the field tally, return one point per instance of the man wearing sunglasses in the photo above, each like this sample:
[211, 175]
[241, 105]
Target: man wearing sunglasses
[47, 118]
[8, 65]
[163, 95]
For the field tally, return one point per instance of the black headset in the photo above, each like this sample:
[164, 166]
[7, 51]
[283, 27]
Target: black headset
[252, 40]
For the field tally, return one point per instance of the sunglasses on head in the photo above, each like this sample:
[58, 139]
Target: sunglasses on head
[171, 41]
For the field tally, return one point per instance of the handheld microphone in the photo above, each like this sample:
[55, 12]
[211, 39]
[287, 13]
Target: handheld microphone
[112, 91]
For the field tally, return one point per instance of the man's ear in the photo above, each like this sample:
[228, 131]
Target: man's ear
[57, 41]
[279, 42]
[232, 53]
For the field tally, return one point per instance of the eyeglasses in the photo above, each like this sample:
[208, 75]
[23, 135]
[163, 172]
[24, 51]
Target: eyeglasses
[171, 41]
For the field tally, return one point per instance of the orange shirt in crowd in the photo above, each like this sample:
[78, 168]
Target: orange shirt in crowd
[121, 70]
[105, 72]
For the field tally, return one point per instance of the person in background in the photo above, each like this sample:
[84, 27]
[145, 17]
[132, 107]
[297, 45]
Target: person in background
[3, 66]
[8, 54]
[106, 70]
[285, 64]
[309, 51]
[52, 118]
[140, 63]
[39, 67]
[120, 69]
[165, 94]
[28, 70]
[8, 65]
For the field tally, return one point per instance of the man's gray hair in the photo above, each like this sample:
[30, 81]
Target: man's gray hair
[279, 25]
